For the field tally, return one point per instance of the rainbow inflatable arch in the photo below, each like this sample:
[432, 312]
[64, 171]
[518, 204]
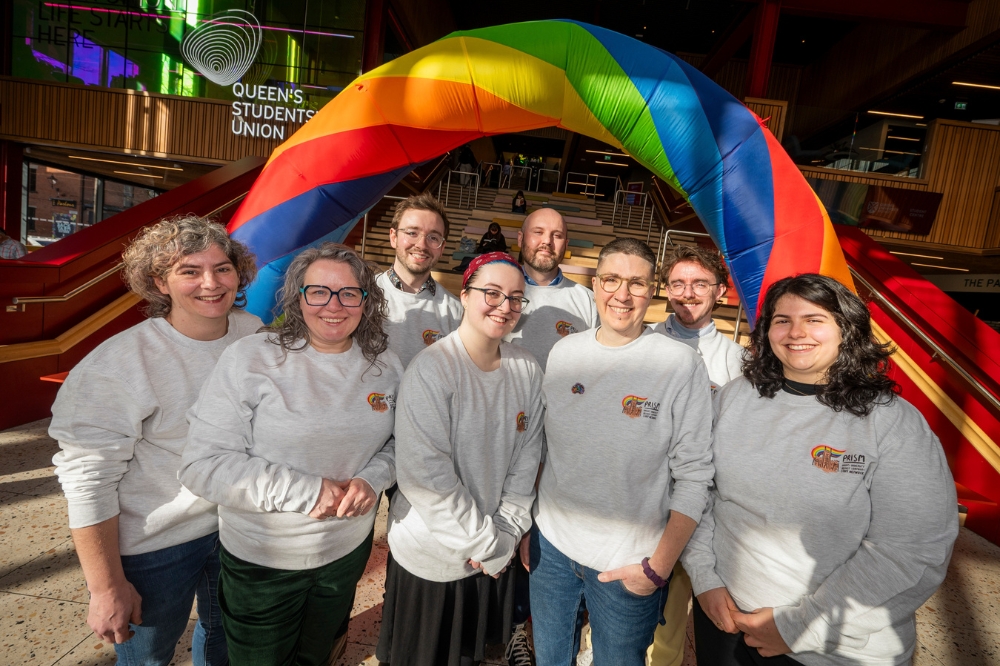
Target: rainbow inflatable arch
[667, 115]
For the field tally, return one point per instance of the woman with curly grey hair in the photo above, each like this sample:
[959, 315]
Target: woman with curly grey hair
[292, 437]
[148, 546]
[834, 513]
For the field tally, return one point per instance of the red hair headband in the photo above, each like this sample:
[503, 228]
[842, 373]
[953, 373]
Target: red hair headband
[488, 258]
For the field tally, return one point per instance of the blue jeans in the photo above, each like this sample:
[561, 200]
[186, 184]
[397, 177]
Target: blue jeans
[621, 623]
[168, 581]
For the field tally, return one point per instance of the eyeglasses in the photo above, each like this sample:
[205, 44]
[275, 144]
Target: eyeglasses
[318, 295]
[495, 298]
[412, 238]
[699, 288]
[612, 283]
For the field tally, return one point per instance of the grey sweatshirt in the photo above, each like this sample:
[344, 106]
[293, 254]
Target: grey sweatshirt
[844, 525]
[628, 432]
[119, 420]
[552, 314]
[416, 321]
[268, 428]
[467, 449]
[722, 356]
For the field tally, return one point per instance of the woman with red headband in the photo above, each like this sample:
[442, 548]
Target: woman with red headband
[468, 442]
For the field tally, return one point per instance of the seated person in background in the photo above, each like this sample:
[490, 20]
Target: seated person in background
[292, 437]
[492, 241]
[148, 547]
[834, 512]
[519, 204]
[10, 248]
[695, 280]
[628, 464]
[468, 442]
[420, 310]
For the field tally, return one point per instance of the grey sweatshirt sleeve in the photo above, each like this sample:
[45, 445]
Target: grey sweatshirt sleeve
[380, 472]
[96, 439]
[216, 464]
[427, 477]
[904, 555]
[698, 557]
[690, 449]
[513, 516]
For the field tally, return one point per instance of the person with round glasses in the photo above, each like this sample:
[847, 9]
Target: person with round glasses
[420, 311]
[468, 443]
[695, 278]
[833, 515]
[628, 463]
[292, 438]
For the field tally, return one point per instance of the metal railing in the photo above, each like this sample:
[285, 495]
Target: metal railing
[461, 195]
[487, 169]
[364, 229]
[23, 300]
[938, 351]
[622, 203]
[586, 182]
[538, 177]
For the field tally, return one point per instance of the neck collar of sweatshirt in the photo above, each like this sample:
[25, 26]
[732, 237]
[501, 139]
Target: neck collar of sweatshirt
[166, 328]
[798, 388]
[429, 284]
[555, 281]
[675, 327]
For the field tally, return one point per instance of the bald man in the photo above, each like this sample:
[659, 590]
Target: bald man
[558, 306]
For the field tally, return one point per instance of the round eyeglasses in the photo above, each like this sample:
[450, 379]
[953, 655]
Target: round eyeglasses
[700, 288]
[412, 237]
[318, 295]
[495, 298]
[612, 283]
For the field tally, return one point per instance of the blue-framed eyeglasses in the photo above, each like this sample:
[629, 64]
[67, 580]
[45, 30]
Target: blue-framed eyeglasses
[318, 295]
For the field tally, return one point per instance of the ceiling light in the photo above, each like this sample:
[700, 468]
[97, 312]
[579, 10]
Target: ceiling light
[910, 254]
[94, 159]
[897, 115]
[920, 124]
[947, 268]
[141, 175]
[610, 163]
[974, 85]
[604, 152]
[902, 138]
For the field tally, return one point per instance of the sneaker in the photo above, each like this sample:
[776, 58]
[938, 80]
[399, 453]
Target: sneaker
[585, 658]
[519, 649]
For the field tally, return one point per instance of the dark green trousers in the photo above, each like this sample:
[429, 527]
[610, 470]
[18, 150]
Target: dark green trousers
[274, 617]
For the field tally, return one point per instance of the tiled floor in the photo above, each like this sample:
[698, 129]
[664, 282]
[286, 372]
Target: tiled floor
[43, 601]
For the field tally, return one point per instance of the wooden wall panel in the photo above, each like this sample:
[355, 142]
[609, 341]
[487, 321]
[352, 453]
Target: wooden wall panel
[782, 84]
[993, 228]
[134, 122]
[773, 111]
[962, 162]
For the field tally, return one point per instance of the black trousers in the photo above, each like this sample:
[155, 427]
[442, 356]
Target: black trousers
[715, 647]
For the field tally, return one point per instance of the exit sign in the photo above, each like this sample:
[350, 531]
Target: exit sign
[960, 106]
[607, 158]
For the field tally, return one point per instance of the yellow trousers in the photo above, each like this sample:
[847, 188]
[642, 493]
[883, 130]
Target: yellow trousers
[668, 642]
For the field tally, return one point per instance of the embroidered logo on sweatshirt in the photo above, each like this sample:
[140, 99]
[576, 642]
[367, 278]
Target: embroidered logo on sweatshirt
[827, 458]
[381, 402]
[634, 407]
[577, 389]
[522, 422]
[564, 328]
[431, 336]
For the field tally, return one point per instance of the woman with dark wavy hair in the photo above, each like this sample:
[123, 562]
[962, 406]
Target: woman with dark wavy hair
[147, 546]
[834, 513]
[292, 438]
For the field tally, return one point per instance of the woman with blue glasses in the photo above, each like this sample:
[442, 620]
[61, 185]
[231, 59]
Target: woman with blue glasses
[292, 437]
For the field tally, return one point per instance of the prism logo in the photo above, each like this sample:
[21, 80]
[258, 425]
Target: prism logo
[224, 46]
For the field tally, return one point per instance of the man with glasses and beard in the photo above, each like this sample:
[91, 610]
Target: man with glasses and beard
[558, 306]
[696, 279]
[420, 310]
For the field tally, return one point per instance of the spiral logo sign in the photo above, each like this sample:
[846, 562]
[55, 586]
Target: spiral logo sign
[223, 47]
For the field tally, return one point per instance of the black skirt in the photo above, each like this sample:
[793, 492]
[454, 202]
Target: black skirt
[425, 623]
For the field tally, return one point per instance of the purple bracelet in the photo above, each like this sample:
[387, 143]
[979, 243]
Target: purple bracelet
[651, 575]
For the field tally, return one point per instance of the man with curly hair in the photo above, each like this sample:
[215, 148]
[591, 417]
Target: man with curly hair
[148, 547]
